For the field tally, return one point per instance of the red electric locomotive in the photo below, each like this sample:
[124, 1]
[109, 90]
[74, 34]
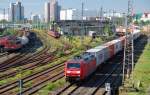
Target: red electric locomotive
[80, 67]
[9, 43]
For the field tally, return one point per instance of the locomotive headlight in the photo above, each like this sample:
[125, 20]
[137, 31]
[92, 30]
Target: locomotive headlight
[78, 72]
[68, 71]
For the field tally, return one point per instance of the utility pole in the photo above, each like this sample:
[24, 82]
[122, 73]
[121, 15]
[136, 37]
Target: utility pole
[82, 23]
[101, 12]
[113, 17]
[101, 20]
[20, 82]
[3, 22]
[113, 20]
[128, 62]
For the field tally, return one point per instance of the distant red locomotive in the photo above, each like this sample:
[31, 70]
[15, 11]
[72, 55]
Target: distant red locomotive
[10, 43]
[54, 34]
[80, 67]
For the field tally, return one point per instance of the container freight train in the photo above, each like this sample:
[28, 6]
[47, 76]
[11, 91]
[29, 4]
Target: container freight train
[11, 43]
[80, 67]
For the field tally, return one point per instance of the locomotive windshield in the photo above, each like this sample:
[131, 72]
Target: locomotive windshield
[73, 65]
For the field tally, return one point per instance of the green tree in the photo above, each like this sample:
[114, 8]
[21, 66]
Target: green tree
[136, 22]
[3, 21]
[107, 30]
[142, 22]
[147, 22]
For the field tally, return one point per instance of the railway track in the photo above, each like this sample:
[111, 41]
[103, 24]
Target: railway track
[114, 81]
[9, 87]
[45, 75]
[42, 84]
[10, 62]
[115, 75]
[99, 82]
[30, 66]
[37, 58]
[3, 54]
[16, 58]
[33, 59]
[19, 59]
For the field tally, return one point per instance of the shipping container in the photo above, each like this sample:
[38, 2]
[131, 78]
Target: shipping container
[106, 51]
[110, 46]
[99, 55]
[117, 46]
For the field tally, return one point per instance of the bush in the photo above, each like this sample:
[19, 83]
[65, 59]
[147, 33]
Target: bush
[3, 82]
[60, 53]
[51, 86]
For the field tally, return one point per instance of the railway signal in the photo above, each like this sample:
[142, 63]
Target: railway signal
[108, 88]
[20, 86]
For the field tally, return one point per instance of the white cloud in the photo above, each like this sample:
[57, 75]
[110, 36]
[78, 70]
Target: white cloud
[2, 16]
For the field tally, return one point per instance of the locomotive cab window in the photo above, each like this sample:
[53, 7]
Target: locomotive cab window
[73, 65]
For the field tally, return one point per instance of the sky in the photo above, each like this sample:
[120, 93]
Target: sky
[37, 6]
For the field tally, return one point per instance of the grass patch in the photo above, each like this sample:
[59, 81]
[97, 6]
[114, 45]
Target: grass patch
[141, 73]
[9, 32]
[28, 84]
[64, 41]
[3, 82]
[51, 86]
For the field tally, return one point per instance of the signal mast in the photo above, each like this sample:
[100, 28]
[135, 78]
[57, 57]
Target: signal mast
[128, 61]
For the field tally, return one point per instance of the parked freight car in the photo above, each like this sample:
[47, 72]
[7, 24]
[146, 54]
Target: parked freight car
[80, 68]
[54, 34]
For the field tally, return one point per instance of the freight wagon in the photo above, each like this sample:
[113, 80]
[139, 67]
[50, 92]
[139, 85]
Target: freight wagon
[79, 68]
[54, 34]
